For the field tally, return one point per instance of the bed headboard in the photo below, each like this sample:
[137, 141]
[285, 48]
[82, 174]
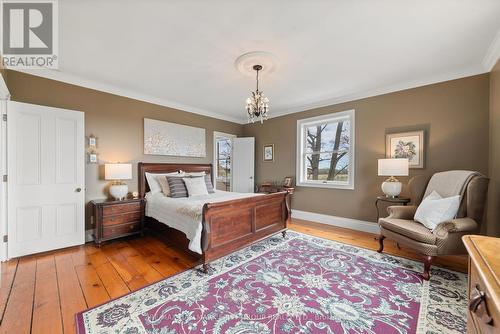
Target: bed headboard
[144, 167]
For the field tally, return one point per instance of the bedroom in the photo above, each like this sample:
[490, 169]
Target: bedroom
[289, 239]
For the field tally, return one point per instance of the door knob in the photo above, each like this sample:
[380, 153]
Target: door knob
[251, 177]
[78, 190]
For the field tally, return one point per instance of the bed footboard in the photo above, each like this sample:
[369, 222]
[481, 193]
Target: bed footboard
[231, 225]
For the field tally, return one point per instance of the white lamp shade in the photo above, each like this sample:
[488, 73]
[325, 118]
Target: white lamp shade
[118, 171]
[393, 167]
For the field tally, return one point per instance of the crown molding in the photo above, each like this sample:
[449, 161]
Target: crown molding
[112, 89]
[493, 53]
[325, 102]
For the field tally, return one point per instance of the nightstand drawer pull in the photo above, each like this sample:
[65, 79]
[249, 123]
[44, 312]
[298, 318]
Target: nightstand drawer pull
[477, 304]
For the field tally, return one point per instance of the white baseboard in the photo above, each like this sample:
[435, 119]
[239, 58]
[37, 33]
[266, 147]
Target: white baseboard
[89, 235]
[353, 224]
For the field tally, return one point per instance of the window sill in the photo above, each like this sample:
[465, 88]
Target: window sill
[325, 185]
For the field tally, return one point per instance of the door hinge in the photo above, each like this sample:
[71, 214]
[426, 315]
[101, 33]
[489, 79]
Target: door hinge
[5, 238]
[4, 178]
[4, 117]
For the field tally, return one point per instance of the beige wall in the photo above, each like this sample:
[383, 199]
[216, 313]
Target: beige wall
[454, 115]
[493, 227]
[116, 121]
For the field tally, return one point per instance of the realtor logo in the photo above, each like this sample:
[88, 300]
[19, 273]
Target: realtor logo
[29, 34]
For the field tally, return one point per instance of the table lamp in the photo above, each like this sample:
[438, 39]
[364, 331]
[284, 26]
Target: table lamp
[116, 173]
[392, 167]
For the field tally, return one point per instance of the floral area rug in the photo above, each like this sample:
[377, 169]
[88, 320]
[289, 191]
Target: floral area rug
[301, 284]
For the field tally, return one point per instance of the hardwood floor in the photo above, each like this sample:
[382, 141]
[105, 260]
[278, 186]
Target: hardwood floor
[41, 293]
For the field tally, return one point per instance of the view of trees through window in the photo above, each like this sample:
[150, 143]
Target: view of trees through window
[327, 151]
[224, 159]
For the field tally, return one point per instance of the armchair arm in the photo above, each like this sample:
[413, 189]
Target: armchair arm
[401, 212]
[456, 225]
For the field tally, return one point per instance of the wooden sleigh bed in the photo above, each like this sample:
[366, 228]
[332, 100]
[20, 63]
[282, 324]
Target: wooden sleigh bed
[226, 226]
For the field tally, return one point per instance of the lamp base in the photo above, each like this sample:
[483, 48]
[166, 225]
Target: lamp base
[118, 191]
[392, 187]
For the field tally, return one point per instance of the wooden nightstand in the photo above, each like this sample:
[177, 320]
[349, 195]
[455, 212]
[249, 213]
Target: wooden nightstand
[116, 219]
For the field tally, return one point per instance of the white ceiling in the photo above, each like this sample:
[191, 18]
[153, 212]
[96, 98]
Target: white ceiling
[181, 53]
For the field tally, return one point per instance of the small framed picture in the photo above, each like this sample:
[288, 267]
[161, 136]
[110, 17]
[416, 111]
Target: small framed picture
[268, 153]
[287, 182]
[93, 158]
[406, 145]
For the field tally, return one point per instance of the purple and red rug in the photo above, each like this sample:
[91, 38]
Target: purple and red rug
[301, 284]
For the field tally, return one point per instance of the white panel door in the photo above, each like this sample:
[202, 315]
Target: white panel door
[45, 168]
[242, 165]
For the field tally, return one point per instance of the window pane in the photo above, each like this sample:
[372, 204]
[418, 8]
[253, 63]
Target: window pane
[327, 137]
[223, 148]
[223, 169]
[223, 158]
[327, 166]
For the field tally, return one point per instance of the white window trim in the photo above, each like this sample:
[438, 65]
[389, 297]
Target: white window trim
[218, 134]
[301, 146]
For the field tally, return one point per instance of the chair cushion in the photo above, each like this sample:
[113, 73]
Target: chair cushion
[409, 228]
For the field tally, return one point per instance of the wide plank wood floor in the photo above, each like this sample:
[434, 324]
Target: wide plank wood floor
[41, 293]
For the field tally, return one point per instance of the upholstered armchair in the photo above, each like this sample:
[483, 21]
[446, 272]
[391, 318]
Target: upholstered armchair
[445, 239]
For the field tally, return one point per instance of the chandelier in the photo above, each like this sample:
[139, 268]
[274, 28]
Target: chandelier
[257, 105]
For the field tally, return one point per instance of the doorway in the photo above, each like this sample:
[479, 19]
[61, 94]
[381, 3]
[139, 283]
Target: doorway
[222, 160]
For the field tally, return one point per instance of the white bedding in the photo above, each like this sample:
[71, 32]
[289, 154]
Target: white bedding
[184, 214]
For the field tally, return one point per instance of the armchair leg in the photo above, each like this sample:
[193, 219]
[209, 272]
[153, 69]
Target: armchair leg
[427, 267]
[381, 243]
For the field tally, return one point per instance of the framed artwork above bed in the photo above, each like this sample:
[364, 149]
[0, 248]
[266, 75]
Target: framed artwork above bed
[165, 138]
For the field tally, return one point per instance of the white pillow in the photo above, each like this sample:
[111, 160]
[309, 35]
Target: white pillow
[195, 186]
[154, 185]
[435, 210]
[195, 173]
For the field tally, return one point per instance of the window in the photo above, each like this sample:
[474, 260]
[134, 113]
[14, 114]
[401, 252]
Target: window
[222, 160]
[325, 151]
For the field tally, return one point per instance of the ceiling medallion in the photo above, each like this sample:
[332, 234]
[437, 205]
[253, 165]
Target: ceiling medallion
[257, 105]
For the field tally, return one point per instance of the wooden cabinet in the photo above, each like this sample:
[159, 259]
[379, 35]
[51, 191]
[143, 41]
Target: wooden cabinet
[484, 284]
[115, 219]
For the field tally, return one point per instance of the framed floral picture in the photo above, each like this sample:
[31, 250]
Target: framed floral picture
[406, 145]
[268, 153]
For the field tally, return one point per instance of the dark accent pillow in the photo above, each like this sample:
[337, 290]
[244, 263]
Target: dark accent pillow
[208, 182]
[177, 187]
